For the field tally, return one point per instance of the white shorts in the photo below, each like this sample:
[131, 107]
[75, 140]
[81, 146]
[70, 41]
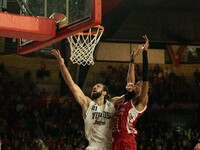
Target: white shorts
[99, 146]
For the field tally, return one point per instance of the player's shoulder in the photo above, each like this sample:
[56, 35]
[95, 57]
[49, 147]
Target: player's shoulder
[114, 99]
[117, 99]
[108, 102]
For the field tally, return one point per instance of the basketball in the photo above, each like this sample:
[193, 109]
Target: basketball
[60, 19]
[58, 16]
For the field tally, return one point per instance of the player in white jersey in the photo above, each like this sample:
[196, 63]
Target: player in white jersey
[98, 125]
[97, 111]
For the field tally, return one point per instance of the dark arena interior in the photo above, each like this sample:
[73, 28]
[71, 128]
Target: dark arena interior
[36, 103]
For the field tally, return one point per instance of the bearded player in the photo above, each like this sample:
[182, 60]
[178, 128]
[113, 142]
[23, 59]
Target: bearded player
[97, 110]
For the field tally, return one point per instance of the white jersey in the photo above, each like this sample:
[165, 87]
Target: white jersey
[98, 128]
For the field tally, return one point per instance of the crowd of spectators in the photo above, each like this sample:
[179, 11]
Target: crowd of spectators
[157, 133]
[165, 85]
[28, 113]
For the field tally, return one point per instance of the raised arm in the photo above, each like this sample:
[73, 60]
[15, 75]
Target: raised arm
[75, 89]
[131, 69]
[130, 78]
[145, 77]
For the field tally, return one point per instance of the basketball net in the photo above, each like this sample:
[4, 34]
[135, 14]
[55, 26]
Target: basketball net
[82, 45]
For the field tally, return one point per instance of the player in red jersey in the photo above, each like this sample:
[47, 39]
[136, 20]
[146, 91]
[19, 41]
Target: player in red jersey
[123, 130]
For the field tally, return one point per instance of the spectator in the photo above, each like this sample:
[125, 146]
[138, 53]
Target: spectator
[38, 145]
[42, 72]
[196, 75]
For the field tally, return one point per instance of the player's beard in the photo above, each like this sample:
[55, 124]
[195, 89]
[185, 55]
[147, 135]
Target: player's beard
[95, 95]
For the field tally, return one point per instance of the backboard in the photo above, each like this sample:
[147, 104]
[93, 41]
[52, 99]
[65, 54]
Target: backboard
[80, 15]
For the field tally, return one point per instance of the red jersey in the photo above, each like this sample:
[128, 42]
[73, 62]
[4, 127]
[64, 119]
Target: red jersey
[125, 120]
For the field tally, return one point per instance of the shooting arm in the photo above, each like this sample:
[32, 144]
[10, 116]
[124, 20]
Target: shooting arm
[130, 80]
[131, 72]
[131, 69]
[145, 77]
[75, 89]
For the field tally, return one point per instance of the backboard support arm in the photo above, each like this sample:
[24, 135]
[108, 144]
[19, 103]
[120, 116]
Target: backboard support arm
[24, 8]
[3, 5]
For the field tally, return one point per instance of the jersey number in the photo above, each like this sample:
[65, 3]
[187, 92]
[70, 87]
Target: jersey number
[94, 107]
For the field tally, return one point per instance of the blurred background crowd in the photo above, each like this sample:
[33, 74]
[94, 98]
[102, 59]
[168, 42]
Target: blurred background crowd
[28, 113]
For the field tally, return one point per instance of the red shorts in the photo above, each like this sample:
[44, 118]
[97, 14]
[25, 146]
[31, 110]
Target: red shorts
[126, 142]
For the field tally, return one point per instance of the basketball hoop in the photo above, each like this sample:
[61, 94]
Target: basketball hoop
[83, 44]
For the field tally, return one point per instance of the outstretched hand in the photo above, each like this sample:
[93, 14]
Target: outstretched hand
[130, 87]
[135, 51]
[56, 53]
[146, 45]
